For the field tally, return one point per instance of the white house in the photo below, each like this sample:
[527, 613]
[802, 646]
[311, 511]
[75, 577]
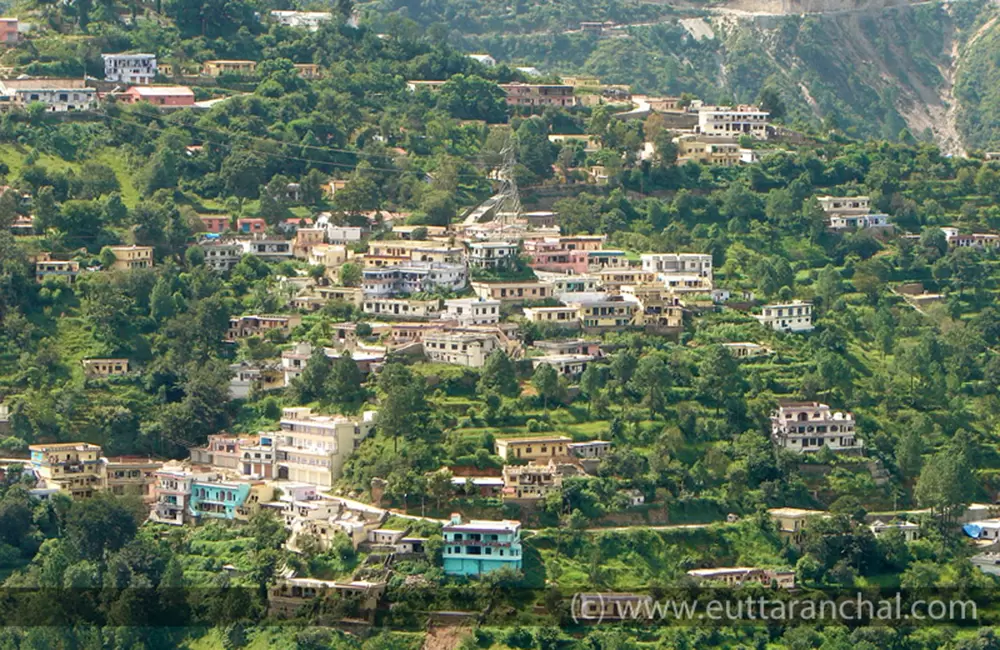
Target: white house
[472, 311]
[468, 349]
[310, 20]
[58, 95]
[130, 68]
[809, 426]
[795, 316]
[733, 121]
[485, 59]
[911, 531]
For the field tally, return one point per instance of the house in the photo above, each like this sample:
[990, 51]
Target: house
[130, 68]
[530, 482]
[310, 20]
[839, 223]
[290, 596]
[9, 34]
[23, 224]
[565, 316]
[159, 95]
[533, 448]
[656, 306]
[983, 529]
[131, 257]
[793, 521]
[467, 349]
[58, 95]
[589, 449]
[739, 576]
[591, 144]
[130, 476]
[566, 285]
[795, 316]
[493, 255]
[746, 350]
[268, 249]
[256, 457]
[219, 67]
[251, 225]
[241, 327]
[567, 365]
[667, 264]
[305, 240]
[909, 530]
[987, 562]
[312, 448]
[512, 292]
[350, 295]
[485, 59]
[521, 94]
[809, 426]
[472, 311]
[413, 277]
[308, 70]
[332, 256]
[733, 120]
[635, 497]
[213, 497]
[852, 213]
[613, 279]
[74, 468]
[611, 312]
[220, 451]
[478, 547]
[569, 346]
[970, 240]
[49, 268]
[344, 235]
[172, 491]
[484, 486]
[333, 185]
[215, 223]
[250, 376]
[221, 256]
[104, 367]
[721, 150]
[402, 308]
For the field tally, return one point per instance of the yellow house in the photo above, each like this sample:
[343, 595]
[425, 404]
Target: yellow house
[308, 70]
[218, 67]
[104, 367]
[72, 467]
[513, 292]
[792, 521]
[132, 257]
[260, 493]
[533, 448]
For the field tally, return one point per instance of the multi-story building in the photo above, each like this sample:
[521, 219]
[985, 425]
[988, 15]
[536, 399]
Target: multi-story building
[733, 120]
[58, 95]
[332, 256]
[479, 547]
[221, 256]
[268, 249]
[310, 20]
[493, 255]
[130, 476]
[657, 307]
[74, 468]
[159, 95]
[530, 482]
[472, 311]
[172, 492]
[313, 448]
[9, 34]
[219, 67]
[213, 497]
[739, 576]
[306, 239]
[257, 455]
[49, 268]
[612, 312]
[130, 68]
[810, 426]
[841, 204]
[469, 349]
[104, 367]
[664, 264]
[132, 257]
[402, 308]
[569, 346]
[242, 327]
[614, 278]
[521, 94]
[414, 277]
[536, 448]
[513, 292]
[852, 213]
[564, 316]
[221, 451]
[215, 223]
[344, 235]
[350, 295]
[792, 522]
[795, 316]
[720, 150]
[251, 225]
[564, 286]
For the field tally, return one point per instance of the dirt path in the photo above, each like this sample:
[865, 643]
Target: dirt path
[444, 637]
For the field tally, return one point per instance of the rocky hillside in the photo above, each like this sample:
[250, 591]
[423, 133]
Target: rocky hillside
[874, 68]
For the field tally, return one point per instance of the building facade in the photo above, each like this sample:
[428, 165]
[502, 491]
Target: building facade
[58, 95]
[132, 257]
[312, 448]
[467, 349]
[74, 468]
[130, 68]
[789, 317]
[805, 427]
[476, 547]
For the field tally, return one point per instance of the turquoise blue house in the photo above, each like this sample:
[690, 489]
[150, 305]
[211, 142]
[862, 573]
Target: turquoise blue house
[478, 547]
[217, 499]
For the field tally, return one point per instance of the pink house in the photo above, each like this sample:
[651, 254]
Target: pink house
[8, 31]
[550, 255]
[215, 224]
[251, 225]
[159, 95]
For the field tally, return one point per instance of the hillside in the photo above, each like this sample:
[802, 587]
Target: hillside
[926, 67]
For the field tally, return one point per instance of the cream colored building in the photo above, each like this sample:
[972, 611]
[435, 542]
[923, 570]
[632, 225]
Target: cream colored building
[401, 308]
[75, 468]
[104, 367]
[512, 292]
[535, 448]
[530, 482]
[132, 257]
[312, 448]
[566, 316]
[795, 316]
[472, 311]
[130, 476]
[219, 67]
[733, 121]
[656, 306]
[739, 576]
[467, 349]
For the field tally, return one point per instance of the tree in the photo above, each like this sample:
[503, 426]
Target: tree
[99, 525]
[944, 484]
[311, 385]
[403, 410]
[350, 275]
[546, 382]
[909, 454]
[770, 100]
[499, 375]
[344, 384]
[829, 285]
[439, 485]
[652, 379]
[719, 376]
